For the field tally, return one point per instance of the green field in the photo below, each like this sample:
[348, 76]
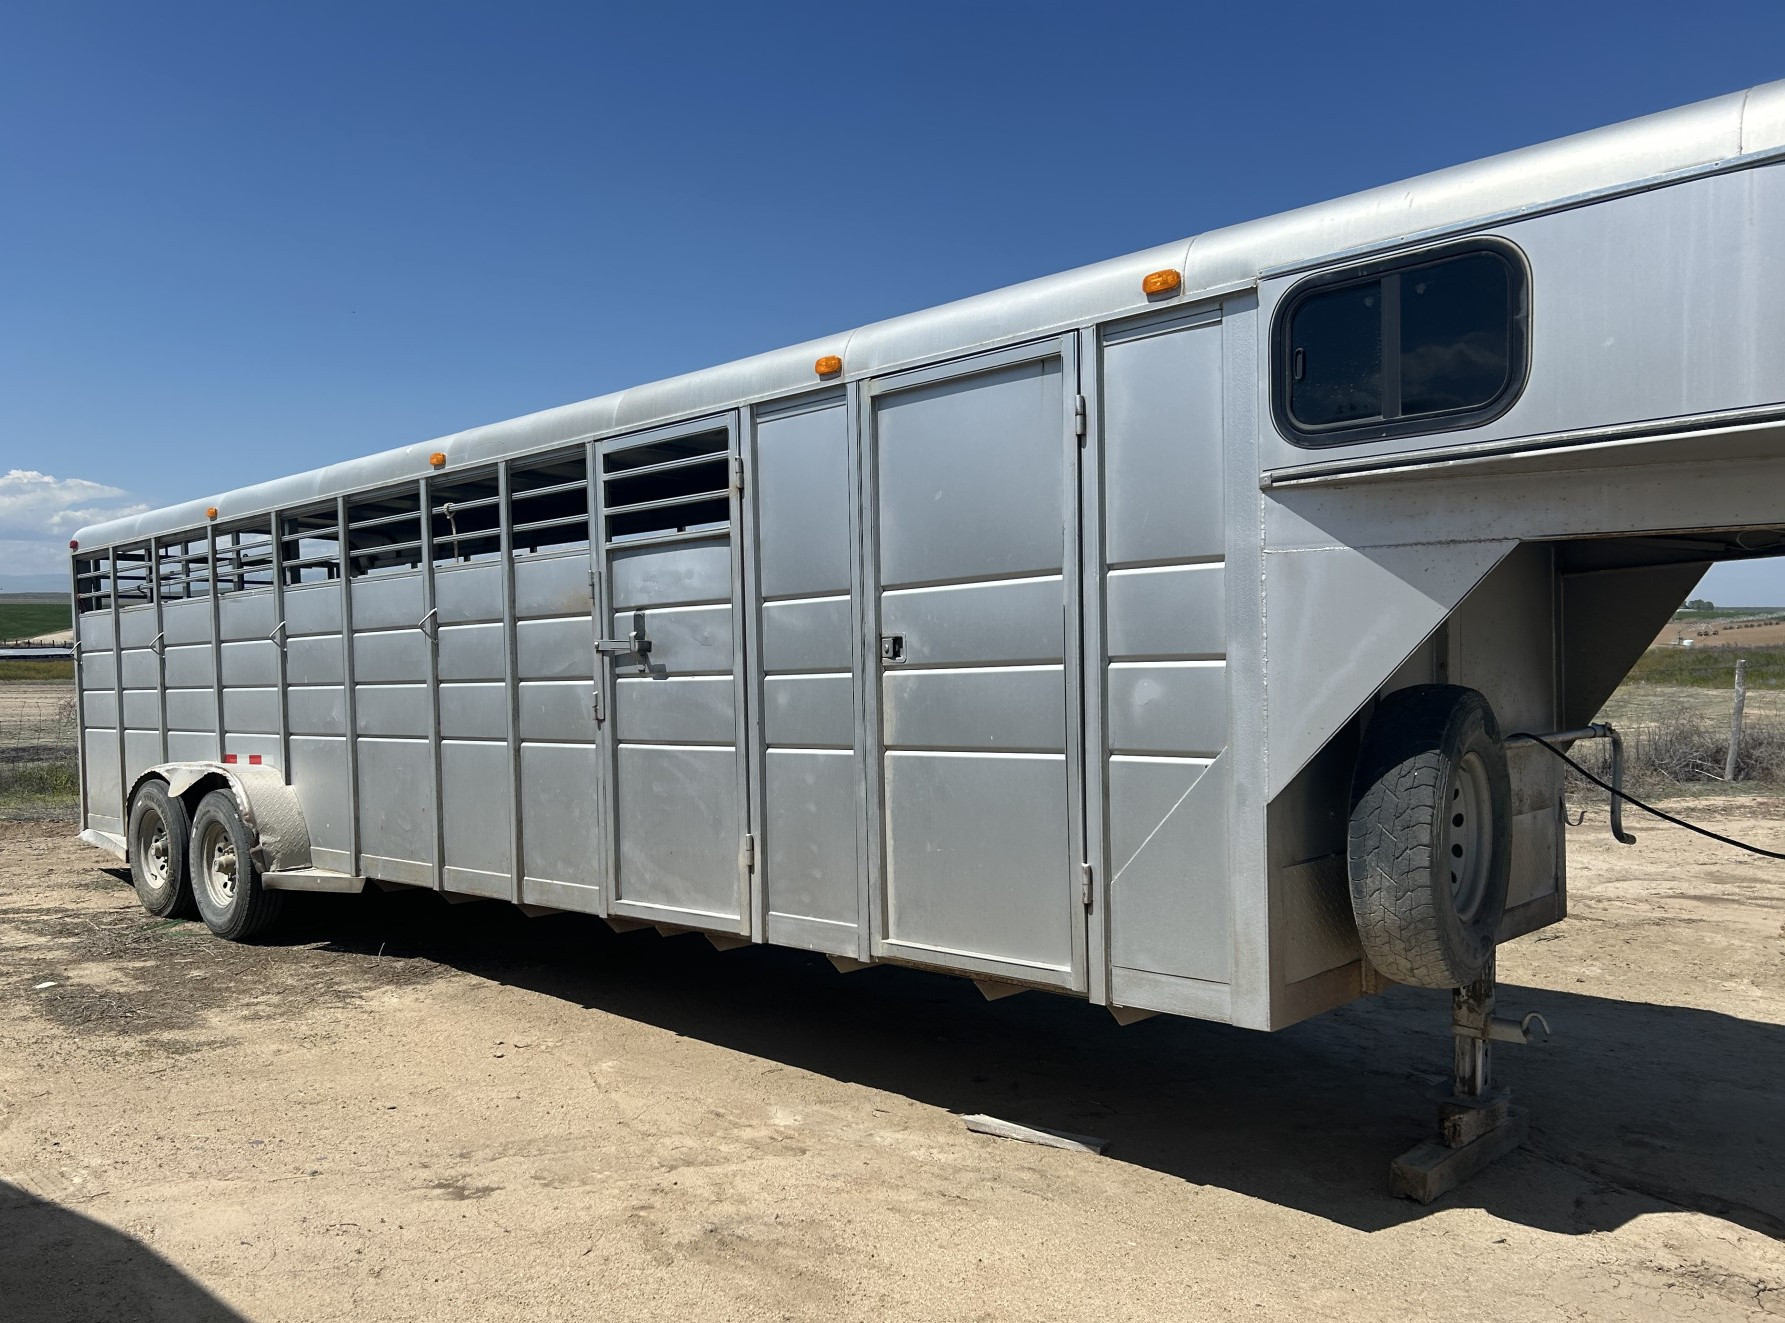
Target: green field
[1709, 668]
[12, 671]
[24, 620]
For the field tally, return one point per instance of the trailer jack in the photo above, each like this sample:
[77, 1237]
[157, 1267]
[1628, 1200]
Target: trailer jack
[1477, 1124]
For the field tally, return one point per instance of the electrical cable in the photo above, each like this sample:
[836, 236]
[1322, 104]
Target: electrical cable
[1650, 808]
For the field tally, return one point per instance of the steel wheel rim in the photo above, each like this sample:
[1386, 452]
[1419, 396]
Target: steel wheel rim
[149, 848]
[155, 854]
[1466, 841]
[218, 864]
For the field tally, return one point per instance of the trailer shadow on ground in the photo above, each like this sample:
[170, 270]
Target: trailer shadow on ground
[58, 1265]
[1647, 1108]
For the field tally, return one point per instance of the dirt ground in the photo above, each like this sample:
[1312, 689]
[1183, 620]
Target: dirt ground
[409, 1110]
[31, 703]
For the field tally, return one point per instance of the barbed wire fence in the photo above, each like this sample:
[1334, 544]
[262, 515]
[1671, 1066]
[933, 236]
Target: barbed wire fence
[38, 734]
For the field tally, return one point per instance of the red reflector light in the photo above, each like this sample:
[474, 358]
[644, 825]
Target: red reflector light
[229, 757]
[254, 760]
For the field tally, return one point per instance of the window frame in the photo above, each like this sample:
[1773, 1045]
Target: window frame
[178, 567]
[242, 565]
[93, 585]
[1518, 347]
[534, 529]
[384, 507]
[293, 530]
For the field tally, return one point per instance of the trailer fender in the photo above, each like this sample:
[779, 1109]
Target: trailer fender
[269, 808]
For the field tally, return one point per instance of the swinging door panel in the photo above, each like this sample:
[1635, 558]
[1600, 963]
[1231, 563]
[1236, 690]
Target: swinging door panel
[976, 552]
[672, 649]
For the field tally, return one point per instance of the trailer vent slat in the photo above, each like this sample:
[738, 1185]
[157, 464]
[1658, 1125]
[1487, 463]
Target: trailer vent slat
[662, 452]
[717, 493]
[549, 505]
[384, 532]
[677, 486]
[310, 545]
[640, 470]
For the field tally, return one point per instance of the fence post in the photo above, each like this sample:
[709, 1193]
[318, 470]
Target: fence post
[1735, 720]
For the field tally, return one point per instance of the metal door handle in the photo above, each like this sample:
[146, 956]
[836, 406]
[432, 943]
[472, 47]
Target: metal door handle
[634, 644]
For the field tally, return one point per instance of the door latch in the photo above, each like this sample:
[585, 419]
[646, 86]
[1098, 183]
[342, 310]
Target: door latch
[892, 647]
[634, 644]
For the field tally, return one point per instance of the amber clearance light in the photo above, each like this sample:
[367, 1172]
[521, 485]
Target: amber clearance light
[437, 459]
[1161, 282]
[828, 366]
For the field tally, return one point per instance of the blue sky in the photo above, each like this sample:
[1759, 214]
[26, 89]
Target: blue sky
[243, 240]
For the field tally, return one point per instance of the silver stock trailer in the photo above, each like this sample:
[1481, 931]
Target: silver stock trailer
[1150, 633]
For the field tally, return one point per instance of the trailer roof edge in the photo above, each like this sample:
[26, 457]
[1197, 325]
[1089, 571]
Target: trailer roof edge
[1738, 129]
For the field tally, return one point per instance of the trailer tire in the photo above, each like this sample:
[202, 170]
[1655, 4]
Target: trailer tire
[1430, 841]
[225, 882]
[158, 834]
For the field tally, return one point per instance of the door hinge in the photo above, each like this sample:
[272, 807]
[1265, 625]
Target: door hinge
[747, 852]
[737, 473]
[1084, 885]
[600, 711]
[1080, 416]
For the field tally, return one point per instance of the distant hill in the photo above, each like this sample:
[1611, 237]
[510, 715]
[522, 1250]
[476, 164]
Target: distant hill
[34, 583]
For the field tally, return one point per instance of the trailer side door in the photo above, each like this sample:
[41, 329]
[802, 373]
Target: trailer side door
[672, 650]
[974, 468]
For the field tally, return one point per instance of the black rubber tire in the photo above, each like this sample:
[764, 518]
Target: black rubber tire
[248, 909]
[1429, 751]
[165, 892]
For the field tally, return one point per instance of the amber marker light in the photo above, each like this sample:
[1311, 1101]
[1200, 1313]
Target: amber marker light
[211, 513]
[828, 366]
[1161, 282]
[437, 459]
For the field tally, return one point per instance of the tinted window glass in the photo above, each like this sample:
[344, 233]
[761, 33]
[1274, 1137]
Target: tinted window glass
[1336, 357]
[1455, 334]
[1399, 348]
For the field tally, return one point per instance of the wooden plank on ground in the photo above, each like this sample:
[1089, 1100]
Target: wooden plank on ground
[991, 1125]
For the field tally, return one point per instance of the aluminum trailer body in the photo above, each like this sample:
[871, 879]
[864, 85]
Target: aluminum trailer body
[1035, 640]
